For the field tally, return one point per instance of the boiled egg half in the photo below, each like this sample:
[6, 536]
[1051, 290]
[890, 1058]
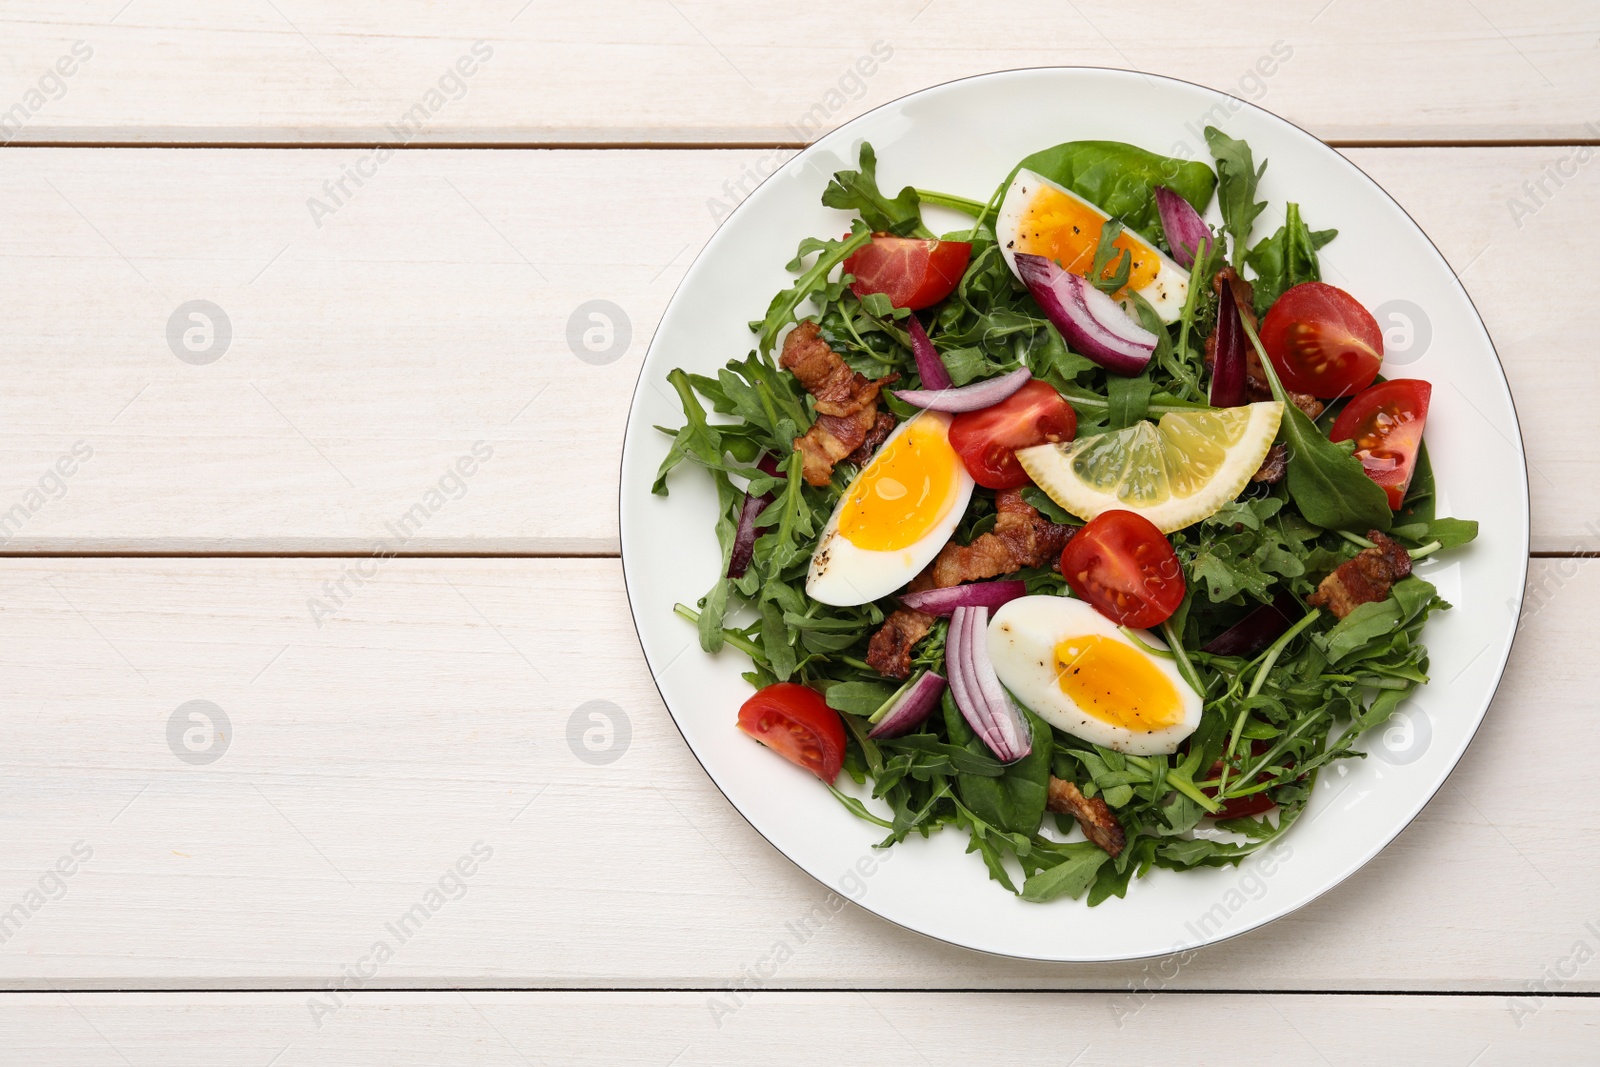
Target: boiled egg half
[895, 516]
[1041, 218]
[1079, 672]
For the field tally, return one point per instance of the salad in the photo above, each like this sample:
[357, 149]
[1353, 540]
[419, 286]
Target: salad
[1086, 530]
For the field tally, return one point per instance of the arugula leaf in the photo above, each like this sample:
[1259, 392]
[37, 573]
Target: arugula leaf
[1370, 622]
[1129, 399]
[857, 190]
[1327, 482]
[1120, 179]
[781, 311]
[1286, 259]
[1106, 253]
[1237, 178]
[1036, 498]
[1070, 876]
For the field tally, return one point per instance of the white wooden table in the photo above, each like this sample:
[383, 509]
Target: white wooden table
[208, 531]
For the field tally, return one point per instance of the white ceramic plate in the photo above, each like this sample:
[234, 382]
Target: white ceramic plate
[963, 138]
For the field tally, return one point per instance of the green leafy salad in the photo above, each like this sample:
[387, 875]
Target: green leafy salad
[1086, 529]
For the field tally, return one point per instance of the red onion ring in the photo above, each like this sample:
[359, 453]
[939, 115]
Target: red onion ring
[1228, 370]
[977, 595]
[981, 698]
[1182, 226]
[913, 707]
[1091, 321]
[972, 397]
[930, 368]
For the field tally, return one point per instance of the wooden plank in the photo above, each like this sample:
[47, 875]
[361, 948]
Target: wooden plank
[249, 1029]
[438, 717]
[703, 71]
[369, 355]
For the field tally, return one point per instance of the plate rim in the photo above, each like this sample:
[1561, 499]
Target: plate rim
[1363, 860]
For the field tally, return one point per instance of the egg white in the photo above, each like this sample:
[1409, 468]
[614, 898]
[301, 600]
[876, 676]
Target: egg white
[1166, 292]
[843, 574]
[1022, 640]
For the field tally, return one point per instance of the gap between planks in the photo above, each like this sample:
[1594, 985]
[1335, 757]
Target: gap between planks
[701, 146]
[1482, 994]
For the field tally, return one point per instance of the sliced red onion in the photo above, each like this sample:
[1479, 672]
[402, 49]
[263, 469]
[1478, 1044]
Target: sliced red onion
[1228, 371]
[1092, 323]
[744, 535]
[983, 701]
[1182, 225]
[977, 595]
[912, 708]
[930, 368]
[1258, 629]
[972, 397]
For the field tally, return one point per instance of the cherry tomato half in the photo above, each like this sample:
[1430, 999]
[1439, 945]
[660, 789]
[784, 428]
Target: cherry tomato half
[1322, 341]
[913, 273]
[1126, 568]
[1386, 424]
[796, 723]
[987, 440]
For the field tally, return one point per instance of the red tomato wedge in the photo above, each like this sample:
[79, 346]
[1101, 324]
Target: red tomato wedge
[1322, 341]
[987, 440]
[796, 723]
[1386, 424]
[913, 273]
[1124, 566]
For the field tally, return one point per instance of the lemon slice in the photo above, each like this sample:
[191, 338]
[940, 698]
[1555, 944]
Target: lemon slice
[1174, 473]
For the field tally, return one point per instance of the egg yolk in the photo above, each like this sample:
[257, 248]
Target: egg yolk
[1116, 683]
[1067, 230]
[904, 491]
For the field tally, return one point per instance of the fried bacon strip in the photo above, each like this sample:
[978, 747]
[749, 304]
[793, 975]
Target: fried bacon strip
[1365, 579]
[1093, 814]
[846, 403]
[1274, 466]
[1021, 538]
[875, 437]
[1255, 378]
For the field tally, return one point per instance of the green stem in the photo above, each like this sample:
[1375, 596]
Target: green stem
[967, 206]
[1356, 539]
[1276, 650]
[1426, 550]
[1192, 791]
[1133, 635]
[1185, 668]
[1190, 298]
[733, 637]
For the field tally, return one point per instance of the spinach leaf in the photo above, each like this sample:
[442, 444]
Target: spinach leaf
[1327, 482]
[858, 698]
[857, 190]
[1237, 178]
[1450, 533]
[1420, 502]
[1120, 179]
[1015, 801]
[1286, 259]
